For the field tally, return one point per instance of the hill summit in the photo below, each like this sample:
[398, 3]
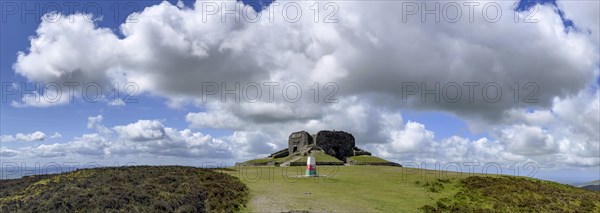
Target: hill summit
[329, 148]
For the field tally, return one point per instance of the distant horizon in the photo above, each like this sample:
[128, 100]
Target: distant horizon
[572, 180]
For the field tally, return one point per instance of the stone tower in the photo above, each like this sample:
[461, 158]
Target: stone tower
[299, 140]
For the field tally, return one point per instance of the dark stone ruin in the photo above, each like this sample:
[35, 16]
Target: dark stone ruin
[338, 144]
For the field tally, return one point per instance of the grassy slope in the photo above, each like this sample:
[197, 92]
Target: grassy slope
[320, 157]
[368, 159]
[140, 189]
[397, 189]
[344, 189]
[517, 194]
[259, 161]
[276, 189]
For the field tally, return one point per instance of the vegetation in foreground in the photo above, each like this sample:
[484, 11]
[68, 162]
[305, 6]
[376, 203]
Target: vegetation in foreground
[282, 189]
[359, 188]
[126, 189]
[339, 188]
[516, 194]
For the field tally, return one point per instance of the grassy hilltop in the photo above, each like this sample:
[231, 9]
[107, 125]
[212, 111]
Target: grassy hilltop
[355, 188]
[397, 189]
[321, 159]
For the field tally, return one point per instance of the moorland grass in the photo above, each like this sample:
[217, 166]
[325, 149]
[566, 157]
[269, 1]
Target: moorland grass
[516, 194]
[281, 189]
[126, 189]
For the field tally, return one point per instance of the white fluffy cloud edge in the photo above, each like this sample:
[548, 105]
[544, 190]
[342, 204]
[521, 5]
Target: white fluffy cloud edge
[169, 50]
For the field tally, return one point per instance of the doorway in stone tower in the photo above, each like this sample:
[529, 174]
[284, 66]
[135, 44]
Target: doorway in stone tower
[294, 149]
[336, 152]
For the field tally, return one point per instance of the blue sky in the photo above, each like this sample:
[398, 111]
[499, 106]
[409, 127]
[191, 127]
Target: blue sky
[15, 37]
[70, 119]
[491, 123]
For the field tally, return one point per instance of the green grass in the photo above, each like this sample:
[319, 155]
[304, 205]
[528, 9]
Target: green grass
[261, 161]
[367, 159]
[126, 189]
[342, 189]
[283, 159]
[396, 189]
[320, 157]
[282, 189]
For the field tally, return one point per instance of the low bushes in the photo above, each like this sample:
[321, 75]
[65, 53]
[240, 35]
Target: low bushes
[515, 194]
[137, 189]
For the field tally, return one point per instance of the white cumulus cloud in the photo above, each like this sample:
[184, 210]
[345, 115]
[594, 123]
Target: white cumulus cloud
[25, 137]
[142, 130]
[369, 54]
